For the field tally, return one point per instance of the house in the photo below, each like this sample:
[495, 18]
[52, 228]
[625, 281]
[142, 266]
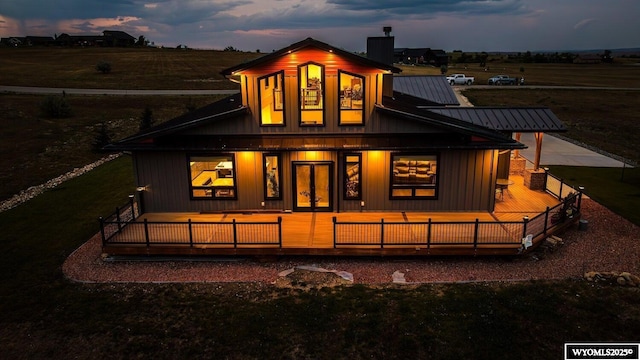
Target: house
[319, 129]
[421, 56]
[116, 38]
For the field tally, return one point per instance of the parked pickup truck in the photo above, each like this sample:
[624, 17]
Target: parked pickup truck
[502, 80]
[460, 79]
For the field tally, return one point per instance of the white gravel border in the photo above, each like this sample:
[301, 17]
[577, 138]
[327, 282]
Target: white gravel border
[33, 191]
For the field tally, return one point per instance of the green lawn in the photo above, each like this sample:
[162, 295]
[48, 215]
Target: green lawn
[616, 188]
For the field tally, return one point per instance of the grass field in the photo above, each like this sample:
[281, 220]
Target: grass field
[45, 316]
[35, 148]
[131, 68]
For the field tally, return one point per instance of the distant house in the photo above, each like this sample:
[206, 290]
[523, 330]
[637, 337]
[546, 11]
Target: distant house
[40, 40]
[425, 56]
[118, 38]
[79, 40]
[588, 59]
[13, 41]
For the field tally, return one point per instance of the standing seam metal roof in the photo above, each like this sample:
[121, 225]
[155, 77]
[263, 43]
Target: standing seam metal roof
[434, 88]
[529, 119]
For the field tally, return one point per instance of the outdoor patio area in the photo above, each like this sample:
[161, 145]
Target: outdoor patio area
[519, 212]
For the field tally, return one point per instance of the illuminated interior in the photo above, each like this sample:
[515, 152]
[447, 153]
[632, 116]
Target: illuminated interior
[271, 96]
[351, 98]
[272, 176]
[212, 176]
[414, 176]
[311, 100]
[352, 177]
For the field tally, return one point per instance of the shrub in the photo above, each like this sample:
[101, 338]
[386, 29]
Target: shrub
[146, 119]
[54, 106]
[102, 138]
[104, 67]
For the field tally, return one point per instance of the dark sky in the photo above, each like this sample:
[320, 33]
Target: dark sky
[471, 25]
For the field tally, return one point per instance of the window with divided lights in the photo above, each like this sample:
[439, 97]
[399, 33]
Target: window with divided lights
[212, 177]
[351, 89]
[414, 176]
[271, 97]
[272, 176]
[352, 170]
[311, 79]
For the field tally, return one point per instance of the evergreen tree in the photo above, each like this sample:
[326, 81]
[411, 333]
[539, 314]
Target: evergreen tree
[146, 119]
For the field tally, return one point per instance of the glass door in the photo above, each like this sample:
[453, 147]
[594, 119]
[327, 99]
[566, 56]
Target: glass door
[313, 187]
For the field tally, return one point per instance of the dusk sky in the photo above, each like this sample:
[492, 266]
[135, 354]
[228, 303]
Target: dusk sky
[469, 25]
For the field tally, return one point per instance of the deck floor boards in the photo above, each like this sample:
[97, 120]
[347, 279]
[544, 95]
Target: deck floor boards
[314, 231]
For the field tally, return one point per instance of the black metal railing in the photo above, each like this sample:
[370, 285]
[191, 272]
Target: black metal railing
[122, 228]
[197, 233]
[476, 233]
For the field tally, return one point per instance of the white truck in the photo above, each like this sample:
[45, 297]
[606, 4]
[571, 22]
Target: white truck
[460, 79]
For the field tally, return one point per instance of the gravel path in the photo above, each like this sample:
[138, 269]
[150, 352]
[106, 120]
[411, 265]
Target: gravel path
[610, 243]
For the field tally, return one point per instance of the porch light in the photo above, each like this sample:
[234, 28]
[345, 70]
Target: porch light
[141, 188]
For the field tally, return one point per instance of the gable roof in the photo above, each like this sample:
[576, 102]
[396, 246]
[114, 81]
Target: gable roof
[522, 119]
[434, 88]
[309, 42]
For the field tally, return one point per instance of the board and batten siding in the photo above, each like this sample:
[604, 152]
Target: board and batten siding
[465, 182]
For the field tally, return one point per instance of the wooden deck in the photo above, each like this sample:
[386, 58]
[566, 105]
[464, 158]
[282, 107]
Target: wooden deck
[313, 233]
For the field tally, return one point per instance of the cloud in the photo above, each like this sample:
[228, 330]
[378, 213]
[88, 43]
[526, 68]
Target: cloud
[583, 23]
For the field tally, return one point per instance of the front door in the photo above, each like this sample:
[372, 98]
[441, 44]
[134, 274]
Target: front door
[313, 186]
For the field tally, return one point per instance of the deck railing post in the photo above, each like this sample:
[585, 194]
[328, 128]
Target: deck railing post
[133, 211]
[190, 233]
[146, 231]
[118, 219]
[475, 234]
[335, 230]
[381, 233]
[580, 190]
[525, 220]
[235, 234]
[429, 234]
[546, 220]
[104, 240]
[561, 186]
[280, 231]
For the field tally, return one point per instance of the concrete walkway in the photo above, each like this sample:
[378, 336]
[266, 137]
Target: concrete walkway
[556, 151]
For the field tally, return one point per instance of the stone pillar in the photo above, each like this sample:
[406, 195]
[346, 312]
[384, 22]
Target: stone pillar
[517, 166]
[535, 179]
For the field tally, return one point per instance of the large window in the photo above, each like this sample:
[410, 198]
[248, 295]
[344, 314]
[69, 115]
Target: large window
[271, 97]
[414, 176]
[311, 79]
[272, 176]
[352, 171]
[351, 98]
[212, 177]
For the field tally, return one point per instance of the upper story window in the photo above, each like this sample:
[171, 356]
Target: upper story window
[311, 84]
[271, 98]
[351, 89]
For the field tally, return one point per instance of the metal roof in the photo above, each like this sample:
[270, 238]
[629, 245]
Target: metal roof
[527, 119]
[434, 88]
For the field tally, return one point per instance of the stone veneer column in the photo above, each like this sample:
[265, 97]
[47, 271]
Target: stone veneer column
[517, 165]
[535, 179]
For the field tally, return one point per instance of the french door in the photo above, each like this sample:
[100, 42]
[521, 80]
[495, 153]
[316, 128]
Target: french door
[313, 186]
